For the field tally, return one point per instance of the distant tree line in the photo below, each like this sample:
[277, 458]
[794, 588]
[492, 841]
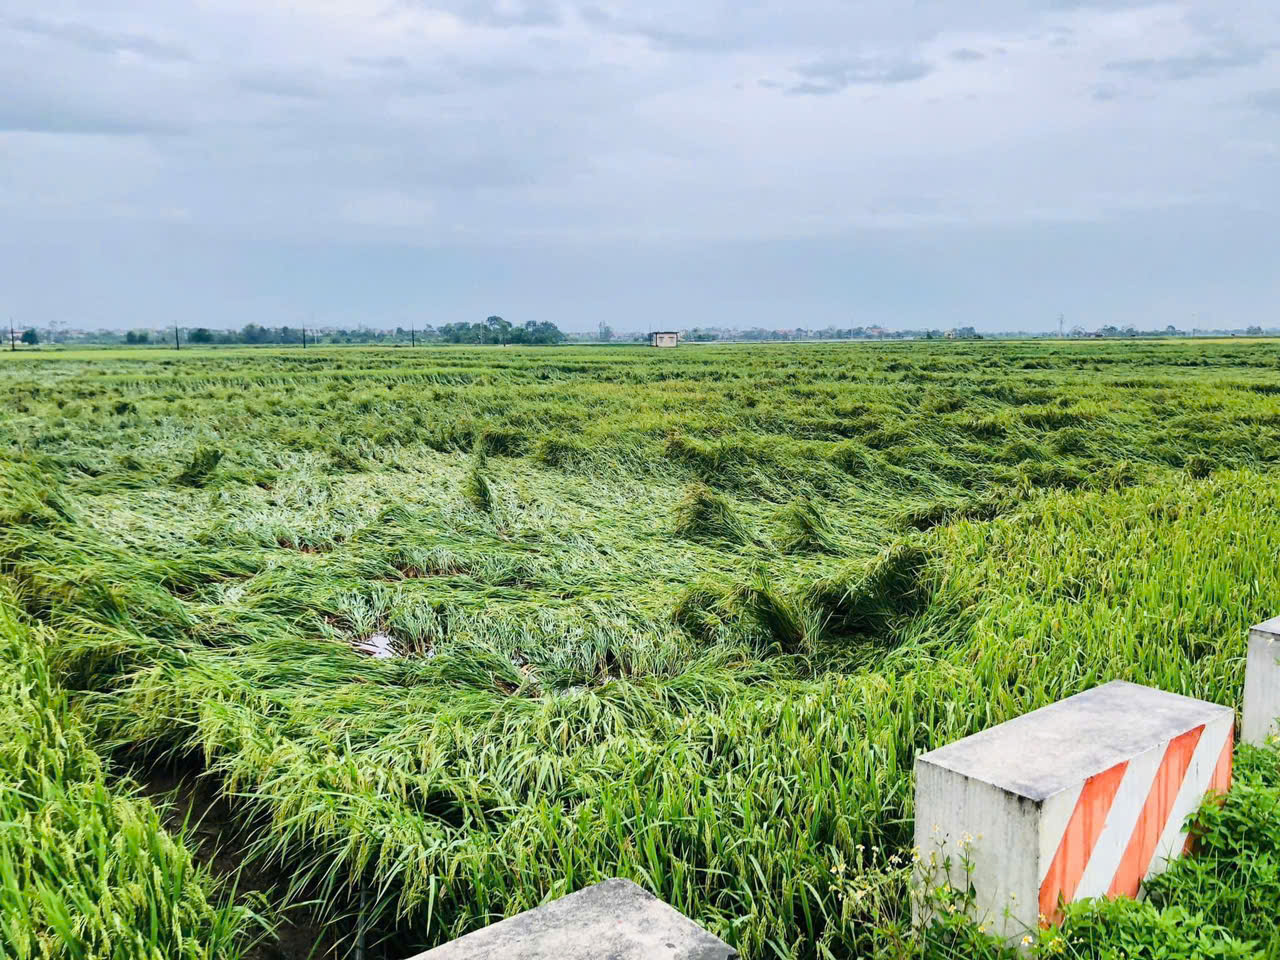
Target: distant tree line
[494, 330]
[250, 333]
[497, 330]
[706, 334]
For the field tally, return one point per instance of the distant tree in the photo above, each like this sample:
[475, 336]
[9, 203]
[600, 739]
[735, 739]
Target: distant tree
[606, 332]
[30, 336]
[200, 335]
[544, 333]
[1254, 331]
[464, 333]
[138, 336]
[1110, 331]
[499, 329]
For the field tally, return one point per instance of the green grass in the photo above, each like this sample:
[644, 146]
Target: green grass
[681, 616]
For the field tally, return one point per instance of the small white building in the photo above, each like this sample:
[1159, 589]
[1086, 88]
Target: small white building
[664, 338]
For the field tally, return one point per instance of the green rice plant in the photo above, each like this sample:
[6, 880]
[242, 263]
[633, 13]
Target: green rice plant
[560, 451]
[1199, 466]
[804, 527]
[705, 516]
[500, 442]
[704, 610]
[865, 597]
[855, 459]
[476, 485]
[200, 469]
[577, 692]
[930, 515]
[789, 623]
[86, 867]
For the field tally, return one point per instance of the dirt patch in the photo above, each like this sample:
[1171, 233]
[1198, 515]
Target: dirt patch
[186, 796]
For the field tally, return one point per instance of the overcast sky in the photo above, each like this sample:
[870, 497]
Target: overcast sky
[676, 162]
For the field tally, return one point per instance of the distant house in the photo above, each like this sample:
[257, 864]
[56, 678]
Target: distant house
[664, 338]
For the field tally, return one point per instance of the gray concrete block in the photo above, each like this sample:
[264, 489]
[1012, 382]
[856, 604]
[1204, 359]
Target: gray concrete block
[1261, 718]
[613, 920]
[1085, 797]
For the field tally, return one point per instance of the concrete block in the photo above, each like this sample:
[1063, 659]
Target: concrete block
[1262, 684]
[615, 919]
[1086, 797]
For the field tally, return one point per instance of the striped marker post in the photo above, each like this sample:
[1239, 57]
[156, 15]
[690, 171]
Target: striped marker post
[1261, 719]
[1084, 798]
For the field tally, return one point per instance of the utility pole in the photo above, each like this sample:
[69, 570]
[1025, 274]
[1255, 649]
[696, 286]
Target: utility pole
[413, 336]
[1061, 319]
[304, 338]
[13, 343]
[177, 344]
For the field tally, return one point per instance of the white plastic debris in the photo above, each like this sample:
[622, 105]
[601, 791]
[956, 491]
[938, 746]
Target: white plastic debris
[379, 646]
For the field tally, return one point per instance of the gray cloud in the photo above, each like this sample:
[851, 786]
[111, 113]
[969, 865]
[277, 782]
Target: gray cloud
[497, 13]
[967, 55]
[658, 35]
[823, 77]
[1096, 4]
[1189, 67]
[20, 115]
[16, 119]
[99, 41]
[1267, 101]
[30, 105]
[278, 83]
[379, 63]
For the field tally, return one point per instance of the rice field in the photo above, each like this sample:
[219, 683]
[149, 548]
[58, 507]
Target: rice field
[454, 631]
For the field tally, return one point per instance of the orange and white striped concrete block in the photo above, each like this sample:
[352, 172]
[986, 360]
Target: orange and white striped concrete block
[1261, 719]
[1087, 797]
